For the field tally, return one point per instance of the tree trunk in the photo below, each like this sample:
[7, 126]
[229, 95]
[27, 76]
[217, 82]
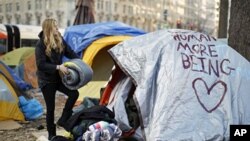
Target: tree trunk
[239, 29]
[222, 33]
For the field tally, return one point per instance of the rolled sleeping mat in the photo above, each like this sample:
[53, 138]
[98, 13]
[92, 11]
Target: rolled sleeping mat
[79, 74]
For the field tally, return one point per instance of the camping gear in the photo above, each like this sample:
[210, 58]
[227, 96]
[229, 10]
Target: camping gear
[109, 132]
[79, 74]
[23, 64]
[79, 37]
[17, 56]
[19, 85]
[9, 101]
[79, 122]
[31, 108]
[188, 85]
[97, 57]
[12, 88]
[92, 42]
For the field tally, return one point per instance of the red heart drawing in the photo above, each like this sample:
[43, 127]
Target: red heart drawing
[199, 92]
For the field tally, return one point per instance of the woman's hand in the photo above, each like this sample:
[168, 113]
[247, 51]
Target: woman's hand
[63, 69]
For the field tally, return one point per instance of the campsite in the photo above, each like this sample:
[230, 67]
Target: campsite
[156, 85]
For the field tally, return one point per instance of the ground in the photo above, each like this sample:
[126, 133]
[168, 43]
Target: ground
[26, 132]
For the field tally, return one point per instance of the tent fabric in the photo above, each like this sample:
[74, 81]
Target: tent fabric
[23, 64]
[3, 35]
[16, 81]
[30, 69]
[27, 71]
[189, 86]
[17, 56]
[97, 57]
[9, 101]
[81, 36]
[99, 44]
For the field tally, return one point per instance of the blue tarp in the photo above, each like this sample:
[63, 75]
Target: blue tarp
[81, 36]
[21, 84]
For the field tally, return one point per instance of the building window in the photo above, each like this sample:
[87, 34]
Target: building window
[107, 5]
[29, 5]
[101, 5]
[98, 4]
[28, 19]
[124, 9]
[115, 7]
[10, 7]
[17, 6]
[130, 10]
[38, 20]
[18, 20]
[47, 4]
[37, 4]
[1, 8]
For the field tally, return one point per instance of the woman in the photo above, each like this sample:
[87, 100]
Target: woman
[49, 51]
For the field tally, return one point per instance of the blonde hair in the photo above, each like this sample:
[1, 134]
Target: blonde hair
[51, 40]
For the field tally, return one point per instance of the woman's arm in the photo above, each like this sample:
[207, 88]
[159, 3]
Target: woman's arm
[69, 52]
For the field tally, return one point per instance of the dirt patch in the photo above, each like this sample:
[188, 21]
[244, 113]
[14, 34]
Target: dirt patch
[25, 133]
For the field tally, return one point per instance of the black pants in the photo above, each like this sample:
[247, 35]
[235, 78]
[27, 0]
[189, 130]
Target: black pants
[49, 93]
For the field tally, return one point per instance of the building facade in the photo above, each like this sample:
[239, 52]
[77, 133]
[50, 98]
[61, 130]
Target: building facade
[33, 12]
[149, 15]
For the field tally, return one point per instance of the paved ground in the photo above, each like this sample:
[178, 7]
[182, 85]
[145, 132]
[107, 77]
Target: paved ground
[31, 129]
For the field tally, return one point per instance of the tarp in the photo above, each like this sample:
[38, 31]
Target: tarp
[81, 36]
[189, 86]
[19, 84]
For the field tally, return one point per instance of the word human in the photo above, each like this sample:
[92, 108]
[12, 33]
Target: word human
[200, 56]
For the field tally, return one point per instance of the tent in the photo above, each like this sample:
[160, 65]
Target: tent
[185, 85]
[3, 35]
[15, 103]
[92, 41]
[9, 103]
[17, 56]
[97, 57]
[22, 61]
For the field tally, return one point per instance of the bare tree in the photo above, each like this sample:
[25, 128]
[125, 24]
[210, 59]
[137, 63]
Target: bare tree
[239, 29]
[222, 33]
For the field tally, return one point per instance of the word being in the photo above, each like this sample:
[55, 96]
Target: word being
[203, 58]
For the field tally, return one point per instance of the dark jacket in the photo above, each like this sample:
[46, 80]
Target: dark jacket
[46, 66]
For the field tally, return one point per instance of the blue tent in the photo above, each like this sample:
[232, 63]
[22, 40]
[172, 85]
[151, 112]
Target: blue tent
[81, 36]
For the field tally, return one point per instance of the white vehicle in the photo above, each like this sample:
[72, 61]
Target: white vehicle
[19, 36]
